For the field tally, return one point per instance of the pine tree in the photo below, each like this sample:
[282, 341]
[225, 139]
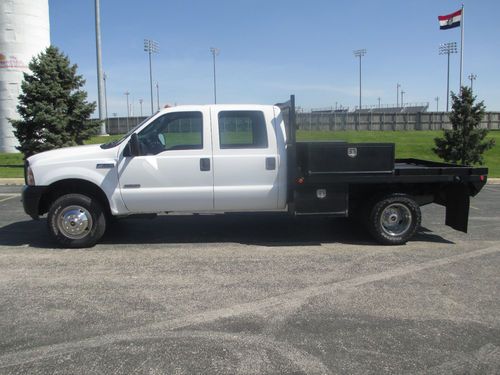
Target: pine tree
[53, 107]
[465, 143]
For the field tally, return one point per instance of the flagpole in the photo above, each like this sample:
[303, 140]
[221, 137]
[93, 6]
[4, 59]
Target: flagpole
[461, 47]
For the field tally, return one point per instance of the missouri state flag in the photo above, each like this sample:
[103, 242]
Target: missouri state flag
[450, 20]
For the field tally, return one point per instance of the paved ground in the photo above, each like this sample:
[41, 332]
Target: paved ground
[248, 294]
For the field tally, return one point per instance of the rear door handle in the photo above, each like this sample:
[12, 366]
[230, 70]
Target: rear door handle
[204, 164]
[270, 164]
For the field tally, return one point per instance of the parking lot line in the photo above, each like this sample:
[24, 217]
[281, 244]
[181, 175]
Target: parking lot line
[283, 301]
[10, 196]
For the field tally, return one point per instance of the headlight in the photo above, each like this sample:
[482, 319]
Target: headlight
[30, 178]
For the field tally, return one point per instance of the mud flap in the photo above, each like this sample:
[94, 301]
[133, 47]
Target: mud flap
[457, 207]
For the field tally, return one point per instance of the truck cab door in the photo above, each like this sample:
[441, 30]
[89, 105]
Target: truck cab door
[174, 169]
[246, 160]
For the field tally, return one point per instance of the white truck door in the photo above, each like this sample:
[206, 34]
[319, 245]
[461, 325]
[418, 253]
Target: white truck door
[174, 171]
[246, 160]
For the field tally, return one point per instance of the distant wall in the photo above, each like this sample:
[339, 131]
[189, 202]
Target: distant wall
[348, 121]
[385, 121]
[121, 125]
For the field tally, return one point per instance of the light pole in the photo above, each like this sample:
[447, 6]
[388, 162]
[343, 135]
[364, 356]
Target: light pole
[100, 82]
[402, 96]
[360, 53]
[104, 78]
[215, 52]
[437, 103]
[472, 77]
[378, 102]
[150, 46]
[398, 86]
[114, 115]
[157, 95]
[448, 49]
[140, 103]
[126, 93]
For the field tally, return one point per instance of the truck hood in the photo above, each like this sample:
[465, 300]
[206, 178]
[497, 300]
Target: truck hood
[72, 154]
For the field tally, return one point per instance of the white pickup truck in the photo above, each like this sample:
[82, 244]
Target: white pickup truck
[227, 158]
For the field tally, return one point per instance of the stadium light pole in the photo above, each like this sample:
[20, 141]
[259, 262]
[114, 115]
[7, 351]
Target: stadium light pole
[140, 104]
[472, 77]
[104, 78]
[378, 102]
[402, 96]
[398, 86]
[100, 81]
[437, 103]
[359, 53]
[448, 49]
[215, 52]
[126, 93]
[118, 120]
[157, 95]
[151, 46]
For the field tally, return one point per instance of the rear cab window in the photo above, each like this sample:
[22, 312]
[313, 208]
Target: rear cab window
[242, 130]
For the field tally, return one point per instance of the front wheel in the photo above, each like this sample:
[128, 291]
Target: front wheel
[76, 221]
[394, 219]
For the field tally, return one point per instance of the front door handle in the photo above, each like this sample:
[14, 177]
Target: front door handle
[204, 164]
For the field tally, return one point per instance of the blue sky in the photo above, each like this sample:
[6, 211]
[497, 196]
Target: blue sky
[270, 49]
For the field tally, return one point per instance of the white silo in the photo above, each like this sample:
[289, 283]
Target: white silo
[24, 33]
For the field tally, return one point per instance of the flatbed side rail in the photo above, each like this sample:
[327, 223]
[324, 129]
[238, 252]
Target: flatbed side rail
[417, 167]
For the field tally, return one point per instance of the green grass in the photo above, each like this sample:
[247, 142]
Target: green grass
[102, 139]
[416, 144]
[11, 165]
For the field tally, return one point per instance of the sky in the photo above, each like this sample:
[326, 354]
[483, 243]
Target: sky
[271, 49]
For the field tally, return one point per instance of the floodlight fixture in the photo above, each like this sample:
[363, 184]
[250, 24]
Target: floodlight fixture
[472, 77]
[151, 46]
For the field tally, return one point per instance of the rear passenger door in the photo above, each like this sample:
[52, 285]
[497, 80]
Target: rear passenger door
[245, 160]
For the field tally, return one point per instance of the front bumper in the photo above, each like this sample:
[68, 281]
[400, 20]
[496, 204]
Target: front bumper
[31, 197]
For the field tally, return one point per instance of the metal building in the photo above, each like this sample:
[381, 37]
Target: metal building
[24, 33]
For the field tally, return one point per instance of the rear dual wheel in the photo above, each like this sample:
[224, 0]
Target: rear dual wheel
[394, 219]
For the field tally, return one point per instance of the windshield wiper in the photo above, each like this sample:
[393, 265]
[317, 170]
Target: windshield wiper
[111, 144]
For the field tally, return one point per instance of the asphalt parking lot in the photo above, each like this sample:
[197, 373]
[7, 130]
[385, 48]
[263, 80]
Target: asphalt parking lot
[251, 294]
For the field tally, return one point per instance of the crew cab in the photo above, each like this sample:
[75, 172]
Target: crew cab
[238, 158]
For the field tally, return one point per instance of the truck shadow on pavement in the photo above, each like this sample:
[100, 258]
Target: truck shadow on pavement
[267, 229]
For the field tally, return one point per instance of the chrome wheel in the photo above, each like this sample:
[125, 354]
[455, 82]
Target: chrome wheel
[395, 219]
[74, 222]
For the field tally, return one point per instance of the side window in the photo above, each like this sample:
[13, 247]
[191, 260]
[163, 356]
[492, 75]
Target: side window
[173, 131]
[242, 129]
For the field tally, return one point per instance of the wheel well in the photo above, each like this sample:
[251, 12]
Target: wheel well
[72, 186]
[361, 195]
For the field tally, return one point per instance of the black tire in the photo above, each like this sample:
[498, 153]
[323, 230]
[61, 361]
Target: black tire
[394, 219]
[76, 221]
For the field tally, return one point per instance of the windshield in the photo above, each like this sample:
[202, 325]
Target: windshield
[116, 142]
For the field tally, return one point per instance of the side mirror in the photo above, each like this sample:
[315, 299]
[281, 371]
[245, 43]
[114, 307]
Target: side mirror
[133, 144]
